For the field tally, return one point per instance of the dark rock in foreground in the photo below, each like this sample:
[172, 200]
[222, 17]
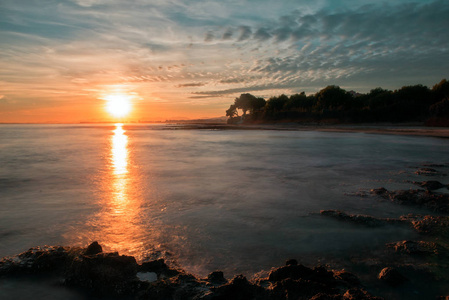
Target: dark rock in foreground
[110, 274]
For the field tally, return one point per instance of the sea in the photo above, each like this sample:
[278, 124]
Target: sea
[240, 201]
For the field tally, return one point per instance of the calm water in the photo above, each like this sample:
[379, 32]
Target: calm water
[238, 201]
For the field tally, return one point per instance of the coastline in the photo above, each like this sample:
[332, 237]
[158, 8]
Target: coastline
[391, 129]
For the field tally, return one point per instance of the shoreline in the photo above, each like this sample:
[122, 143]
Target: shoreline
[390, 129]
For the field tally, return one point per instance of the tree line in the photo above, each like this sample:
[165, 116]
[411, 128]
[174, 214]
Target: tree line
[333, 104]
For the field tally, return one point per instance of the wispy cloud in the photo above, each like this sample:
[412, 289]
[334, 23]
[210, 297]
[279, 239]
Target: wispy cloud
[261, 46]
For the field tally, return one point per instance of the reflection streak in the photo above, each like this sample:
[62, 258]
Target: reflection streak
[120, 217]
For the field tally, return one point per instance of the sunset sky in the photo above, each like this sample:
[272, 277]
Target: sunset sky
[61, 60]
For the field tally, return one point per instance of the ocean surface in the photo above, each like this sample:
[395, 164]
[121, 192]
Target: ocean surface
[240, 201]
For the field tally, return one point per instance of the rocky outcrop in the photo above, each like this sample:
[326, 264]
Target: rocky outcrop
[419, 248]
[434, 201]
[113, 275]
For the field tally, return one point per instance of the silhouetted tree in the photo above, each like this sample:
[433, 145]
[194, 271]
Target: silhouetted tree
[410, 103]
[232, 111]
[276, 103]
[333, 97]
[441, 90]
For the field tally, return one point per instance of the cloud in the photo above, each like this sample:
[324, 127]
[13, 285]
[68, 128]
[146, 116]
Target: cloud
[234, 46]
[209, 36]
[245, 33]
[262, 34]
[227, 35]
[193, 84]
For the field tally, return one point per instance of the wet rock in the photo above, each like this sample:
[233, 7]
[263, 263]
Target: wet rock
[110, 275]
[421, 248]
[36, 260]
[239, 289]
[435, 201]
[429, 172]
[430, 185]
[103, 273]
[322, 296]
[93, 249]
[391, 276]
[301, 289]
[291, 271]
[291, 262]
[159, 267]
[430, 225]
[379, 191]
[347, 278]
[216, 277]
[364, 220]
[359, 294]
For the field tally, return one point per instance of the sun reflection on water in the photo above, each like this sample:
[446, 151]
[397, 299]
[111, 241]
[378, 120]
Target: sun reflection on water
[119, 150]
[120, 225]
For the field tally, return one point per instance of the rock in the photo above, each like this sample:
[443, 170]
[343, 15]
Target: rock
[93, 249]
[239, 289]
[291, 262]
[431, 225]
[36, 260]
[322, 296]
[110, 275]
[391, 276]
[300, 289]
[358, 294]
[347, 277]
[418, 248]
[216, 277]
[159, 267]
[435, 201]
[364, 220]
[379, 191]
[103, 273]
[430, 185]
[428, 172]
[291, 271]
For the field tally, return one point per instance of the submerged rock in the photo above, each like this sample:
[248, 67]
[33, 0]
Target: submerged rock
[429, 172]
[435, 201]
[421, 248]
[364, 220]
[430, 185]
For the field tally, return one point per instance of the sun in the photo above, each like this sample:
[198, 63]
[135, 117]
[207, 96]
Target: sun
[118, 105]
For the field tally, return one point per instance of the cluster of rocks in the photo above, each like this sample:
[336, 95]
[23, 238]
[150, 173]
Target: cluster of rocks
[110, 274]
[435, 201]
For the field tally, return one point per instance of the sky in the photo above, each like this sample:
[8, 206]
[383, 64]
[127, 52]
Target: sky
[60, 60]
